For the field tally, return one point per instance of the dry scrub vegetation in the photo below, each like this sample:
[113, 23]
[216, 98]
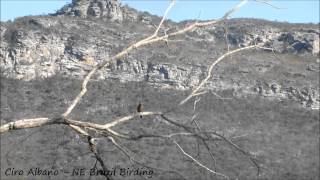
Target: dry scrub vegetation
[204, 136]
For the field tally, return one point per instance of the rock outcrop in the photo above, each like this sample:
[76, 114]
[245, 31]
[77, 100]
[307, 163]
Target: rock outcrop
[43, 46]
[110, 9]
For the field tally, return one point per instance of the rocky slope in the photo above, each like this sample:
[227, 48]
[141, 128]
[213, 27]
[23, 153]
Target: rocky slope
[84, 33]
[273, 95]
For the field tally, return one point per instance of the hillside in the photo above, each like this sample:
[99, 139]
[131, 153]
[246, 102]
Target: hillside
[270, 97]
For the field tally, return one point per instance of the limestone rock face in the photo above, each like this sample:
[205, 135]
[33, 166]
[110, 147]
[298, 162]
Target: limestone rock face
[77, 37]
[267, 102]
[110, 9]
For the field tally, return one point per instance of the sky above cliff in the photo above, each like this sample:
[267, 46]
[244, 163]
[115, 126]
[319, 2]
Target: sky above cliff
[296, 11]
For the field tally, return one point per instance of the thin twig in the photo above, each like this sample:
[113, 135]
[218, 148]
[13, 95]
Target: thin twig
[134, 161]
[197, 162]
[268, 3]
[204, 81]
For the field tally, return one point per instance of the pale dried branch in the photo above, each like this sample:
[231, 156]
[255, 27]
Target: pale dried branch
[105, 129]
[82, 92]
[38, 122]
[127, 118]
[134, 161]
[268, 3]
[143, 42]
[25, 123]
[220, 97]
[92, 142]
[192, 130]
[195, 104]
[197, 162]
[163, 18]
[200, 93]
[241, 136]
[115, 122]
[205, 80]
[146, 41]
[203, 141]
[116, 57]
[225, 28]
[79, 130]
[167, 137]
[237, 7]
[244, 152]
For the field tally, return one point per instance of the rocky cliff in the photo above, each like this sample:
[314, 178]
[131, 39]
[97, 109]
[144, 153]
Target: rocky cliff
[266, 102]
[87, 32]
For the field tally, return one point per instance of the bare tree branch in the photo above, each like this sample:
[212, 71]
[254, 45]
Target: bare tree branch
[24, 124]
[197, 162]
[134, 161]
[205, 80]
[267, 2]
[82, 127]
[146, 41]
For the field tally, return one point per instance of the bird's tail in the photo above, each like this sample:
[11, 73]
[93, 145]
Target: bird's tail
[141, 116]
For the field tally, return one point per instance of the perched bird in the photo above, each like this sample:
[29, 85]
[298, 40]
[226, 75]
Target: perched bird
[140, 108]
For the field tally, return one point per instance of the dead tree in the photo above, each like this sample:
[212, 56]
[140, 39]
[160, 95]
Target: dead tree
[106, 130]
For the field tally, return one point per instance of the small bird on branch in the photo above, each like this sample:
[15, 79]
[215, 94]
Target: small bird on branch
[140, 108]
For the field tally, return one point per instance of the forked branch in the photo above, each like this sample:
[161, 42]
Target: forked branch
[146, 41]
[106, 129]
